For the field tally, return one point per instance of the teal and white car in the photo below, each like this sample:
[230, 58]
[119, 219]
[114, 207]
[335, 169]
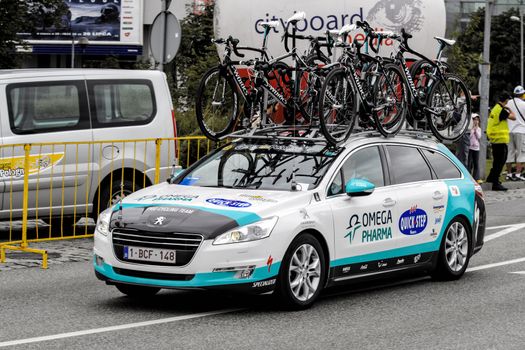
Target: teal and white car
[293, 217]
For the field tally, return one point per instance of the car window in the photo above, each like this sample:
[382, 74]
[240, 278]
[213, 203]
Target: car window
[442, 166]
[337, 185]
[364, 164]
[44, 107]
[121, 102]
[408, 165]
[261, 166]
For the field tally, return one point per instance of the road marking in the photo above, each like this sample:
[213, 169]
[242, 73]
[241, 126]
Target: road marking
[519, 272]
[113, 328]
[503, 226]
[502, 263]
[503, 232]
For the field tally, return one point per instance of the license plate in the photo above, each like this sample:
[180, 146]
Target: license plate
[149, 254]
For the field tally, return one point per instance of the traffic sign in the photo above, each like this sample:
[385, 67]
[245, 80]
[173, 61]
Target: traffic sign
[165, 47]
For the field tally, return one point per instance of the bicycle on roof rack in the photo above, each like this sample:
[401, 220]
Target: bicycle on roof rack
[222, 87]
[381, 94]
[440, 97]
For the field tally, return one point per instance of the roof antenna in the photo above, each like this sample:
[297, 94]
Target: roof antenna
[119, 215]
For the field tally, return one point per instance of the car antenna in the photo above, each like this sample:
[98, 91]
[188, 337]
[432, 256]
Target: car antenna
[119, 215]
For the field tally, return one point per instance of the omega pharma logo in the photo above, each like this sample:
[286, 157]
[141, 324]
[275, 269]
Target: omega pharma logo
[372, 226]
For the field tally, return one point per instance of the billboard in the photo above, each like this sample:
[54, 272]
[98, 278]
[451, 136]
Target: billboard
[423, 19]
[100, 21]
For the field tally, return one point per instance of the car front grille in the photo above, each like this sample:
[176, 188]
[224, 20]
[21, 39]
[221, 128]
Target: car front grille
[185, 244]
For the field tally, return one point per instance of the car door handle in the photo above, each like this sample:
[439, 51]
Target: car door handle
[389, 202]
[437, 195]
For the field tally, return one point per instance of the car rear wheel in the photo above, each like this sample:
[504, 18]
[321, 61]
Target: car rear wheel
[137, 291]
[455, 251]
[303, 273]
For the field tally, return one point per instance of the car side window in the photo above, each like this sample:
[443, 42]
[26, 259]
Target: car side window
[121, 102]
[408, 165]
[443, 167]
[337, 185]
[363, 164]
[47, 106]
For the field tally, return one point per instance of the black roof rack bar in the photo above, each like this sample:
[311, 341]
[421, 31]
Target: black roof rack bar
[312, 135]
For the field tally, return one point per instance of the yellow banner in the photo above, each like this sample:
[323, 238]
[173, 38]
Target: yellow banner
[14, 166]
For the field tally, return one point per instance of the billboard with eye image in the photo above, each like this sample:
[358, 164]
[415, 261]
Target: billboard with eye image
[424, 19]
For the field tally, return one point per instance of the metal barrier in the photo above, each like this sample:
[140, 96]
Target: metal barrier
[62, 186]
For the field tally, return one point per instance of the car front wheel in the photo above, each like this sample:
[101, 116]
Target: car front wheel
[303, 273]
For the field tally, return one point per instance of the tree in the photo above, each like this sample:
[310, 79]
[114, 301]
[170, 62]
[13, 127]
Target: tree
[504, 52]
[197, 54]
[25, 17]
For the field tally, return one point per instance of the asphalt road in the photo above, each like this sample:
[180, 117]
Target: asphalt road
[483, 310]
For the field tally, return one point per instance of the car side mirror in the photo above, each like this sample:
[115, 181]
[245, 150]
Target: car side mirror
[359, 187]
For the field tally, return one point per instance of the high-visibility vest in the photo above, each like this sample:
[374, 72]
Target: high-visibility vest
[497, 131]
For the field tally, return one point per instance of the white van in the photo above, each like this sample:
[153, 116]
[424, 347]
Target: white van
[67, 181]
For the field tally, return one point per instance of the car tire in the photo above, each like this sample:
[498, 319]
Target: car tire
[455, 251]
[134, 291]
[302, 274]
[63, 225]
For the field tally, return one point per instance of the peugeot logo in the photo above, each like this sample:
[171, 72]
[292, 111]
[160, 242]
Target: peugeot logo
[159, 220]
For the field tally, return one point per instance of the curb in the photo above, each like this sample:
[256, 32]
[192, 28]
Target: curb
[511, 185]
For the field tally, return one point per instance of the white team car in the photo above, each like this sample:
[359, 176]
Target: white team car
[294, 217]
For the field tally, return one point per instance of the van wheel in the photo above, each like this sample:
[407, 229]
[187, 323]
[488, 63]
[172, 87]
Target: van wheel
[133, 291]
[454, 254]
[303, 273]
[64, 224]
[111, 195]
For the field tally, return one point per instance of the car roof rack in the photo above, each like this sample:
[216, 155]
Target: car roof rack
[305, 134]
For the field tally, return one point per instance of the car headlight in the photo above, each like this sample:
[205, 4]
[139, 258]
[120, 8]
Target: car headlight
[252, 232]
[103, 222]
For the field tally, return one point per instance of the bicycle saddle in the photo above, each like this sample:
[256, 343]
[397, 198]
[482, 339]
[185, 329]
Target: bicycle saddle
[269, 24]
[299, 16]
[347, 28]
[444, 41]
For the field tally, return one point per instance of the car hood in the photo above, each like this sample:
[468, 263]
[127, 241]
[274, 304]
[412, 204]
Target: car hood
[201, 210]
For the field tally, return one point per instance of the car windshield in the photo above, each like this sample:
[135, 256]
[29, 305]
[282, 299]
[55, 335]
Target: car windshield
[282, 167]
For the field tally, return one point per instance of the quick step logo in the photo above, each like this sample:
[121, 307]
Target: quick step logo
[413, 221]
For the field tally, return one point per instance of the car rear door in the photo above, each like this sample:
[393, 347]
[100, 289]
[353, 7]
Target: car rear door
[422, 202]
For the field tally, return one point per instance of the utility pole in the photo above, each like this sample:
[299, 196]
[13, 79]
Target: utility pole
[485, 84]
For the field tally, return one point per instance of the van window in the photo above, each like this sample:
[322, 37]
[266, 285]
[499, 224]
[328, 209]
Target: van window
[45, 107]
[121, 102]
[408, 165]
[442, 166]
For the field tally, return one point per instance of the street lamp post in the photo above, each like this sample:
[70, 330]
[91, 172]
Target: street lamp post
[520, 20]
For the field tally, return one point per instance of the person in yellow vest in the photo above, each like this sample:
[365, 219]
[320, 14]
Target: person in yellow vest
[498, 135]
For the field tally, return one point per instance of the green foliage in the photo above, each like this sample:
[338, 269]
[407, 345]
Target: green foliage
[25, 17]
[504, 52]
[197, 54]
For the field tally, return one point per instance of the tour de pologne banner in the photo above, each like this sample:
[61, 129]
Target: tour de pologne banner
[101, 21]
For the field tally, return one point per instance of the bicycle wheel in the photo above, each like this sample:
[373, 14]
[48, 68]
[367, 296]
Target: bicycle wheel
[421, 73]
[390, 98]
[217, 104]
[337, 106]
[449, 108]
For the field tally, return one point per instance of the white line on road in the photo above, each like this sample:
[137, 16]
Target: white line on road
[519, 272]
[113, 328]
[502, 263]
[503, 226]
[503, 232]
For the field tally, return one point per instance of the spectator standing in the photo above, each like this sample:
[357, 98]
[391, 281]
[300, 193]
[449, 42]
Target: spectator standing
[517, 135]
[473, 155]
[498, 135]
